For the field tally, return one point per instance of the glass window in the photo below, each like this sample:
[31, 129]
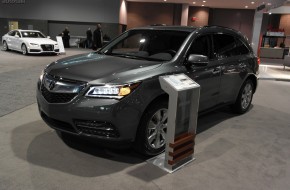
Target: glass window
[200, 46]
[155, 45]
[17, 33]
[241, 48]
[12, 33]
[228, 46]
[32, 34]
[224, 46]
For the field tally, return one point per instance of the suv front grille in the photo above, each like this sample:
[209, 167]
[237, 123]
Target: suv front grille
[47, 47]
[96, 128]
[52, 97]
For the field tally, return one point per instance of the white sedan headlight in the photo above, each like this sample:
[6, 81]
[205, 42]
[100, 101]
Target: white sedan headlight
[112, 91]
[34, 45]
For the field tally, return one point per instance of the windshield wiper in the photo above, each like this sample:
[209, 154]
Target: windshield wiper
[127, 56]
[134, 57]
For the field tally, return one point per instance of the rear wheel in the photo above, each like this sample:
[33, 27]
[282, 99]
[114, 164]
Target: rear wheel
[24, 49]
[245, 97]
[151, 135]
[5, 46]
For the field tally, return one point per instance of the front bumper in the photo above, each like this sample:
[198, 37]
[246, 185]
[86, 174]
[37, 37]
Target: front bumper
[102, 119]
[42, 49]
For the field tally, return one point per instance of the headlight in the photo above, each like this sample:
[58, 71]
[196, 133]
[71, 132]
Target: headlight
[32, 44]
[41, 75]
[112, 91]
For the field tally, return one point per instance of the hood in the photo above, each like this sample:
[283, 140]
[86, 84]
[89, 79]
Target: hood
[39, 40]
[98, 68]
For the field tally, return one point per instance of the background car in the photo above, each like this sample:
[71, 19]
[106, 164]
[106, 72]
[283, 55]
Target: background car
[114, 95]
[29, 42]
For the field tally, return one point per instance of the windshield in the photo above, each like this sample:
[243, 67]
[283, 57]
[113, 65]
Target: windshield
[155, 45]
[32, 34]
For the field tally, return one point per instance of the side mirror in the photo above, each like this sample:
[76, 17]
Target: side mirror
[198, 60]
[48, 37]
[16, 36]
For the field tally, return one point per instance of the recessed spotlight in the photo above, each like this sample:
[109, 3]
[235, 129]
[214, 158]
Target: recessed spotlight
[193, 2]
[252, 2]
[165, 0]
[270, 13]
[202, 5]
[269, 4]
[204, 1]
[246, 7]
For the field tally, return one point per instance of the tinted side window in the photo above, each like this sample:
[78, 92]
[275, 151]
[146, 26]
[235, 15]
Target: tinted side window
[12, 33]
[200, 46]
[224, 46]
[241, 48]
[228, 46]
[17, 33]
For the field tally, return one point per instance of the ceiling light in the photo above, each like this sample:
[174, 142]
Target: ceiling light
[270, 13]
[253, 2]
[164, 0]
[193, 2]
[269, 4]
[204, 1]
[246, 7]
[202, 5]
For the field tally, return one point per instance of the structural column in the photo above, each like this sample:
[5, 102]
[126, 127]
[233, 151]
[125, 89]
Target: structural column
[184, 14]
[123, 12]
[258, 19]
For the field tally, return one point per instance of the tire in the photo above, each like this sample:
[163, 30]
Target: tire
[24, 49]
[245, 97]
[151, 134]
[5, 46]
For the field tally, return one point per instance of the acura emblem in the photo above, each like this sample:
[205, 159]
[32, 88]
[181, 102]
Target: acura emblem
[51, 85]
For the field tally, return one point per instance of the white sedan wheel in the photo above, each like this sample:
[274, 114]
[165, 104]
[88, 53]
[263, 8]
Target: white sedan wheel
[24, 49]
[5, 46]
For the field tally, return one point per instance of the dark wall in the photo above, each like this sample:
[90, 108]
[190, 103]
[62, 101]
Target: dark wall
[144, 14]
[238, 19]
[105, 11]
[80, 28]
[200, 13]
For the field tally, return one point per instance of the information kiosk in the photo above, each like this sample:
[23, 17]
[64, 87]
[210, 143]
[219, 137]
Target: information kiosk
[182, 120]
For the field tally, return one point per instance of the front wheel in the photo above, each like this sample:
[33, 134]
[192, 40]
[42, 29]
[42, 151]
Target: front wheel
[151, 135]
[5, 46]
[245, 97]
[24, 49]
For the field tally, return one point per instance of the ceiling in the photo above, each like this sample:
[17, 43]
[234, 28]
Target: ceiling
[231, 4]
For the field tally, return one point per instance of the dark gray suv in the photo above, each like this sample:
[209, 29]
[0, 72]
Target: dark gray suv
[114, 96]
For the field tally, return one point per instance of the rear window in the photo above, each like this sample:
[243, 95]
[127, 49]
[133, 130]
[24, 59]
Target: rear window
[228, 46]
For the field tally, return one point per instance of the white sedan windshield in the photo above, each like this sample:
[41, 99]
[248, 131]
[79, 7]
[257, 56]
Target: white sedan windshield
[32, 35]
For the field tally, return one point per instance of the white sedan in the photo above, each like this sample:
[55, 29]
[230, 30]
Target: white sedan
[29, 41]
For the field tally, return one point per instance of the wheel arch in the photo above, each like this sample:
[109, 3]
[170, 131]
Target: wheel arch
[161, 97]
[254, 79]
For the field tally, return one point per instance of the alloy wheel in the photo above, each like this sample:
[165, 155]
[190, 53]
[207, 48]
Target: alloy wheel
[24, 50]
[157, 128]
[247, 96]
[5, 47]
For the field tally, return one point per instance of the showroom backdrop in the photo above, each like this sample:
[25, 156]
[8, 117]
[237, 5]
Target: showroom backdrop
[51, 17]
